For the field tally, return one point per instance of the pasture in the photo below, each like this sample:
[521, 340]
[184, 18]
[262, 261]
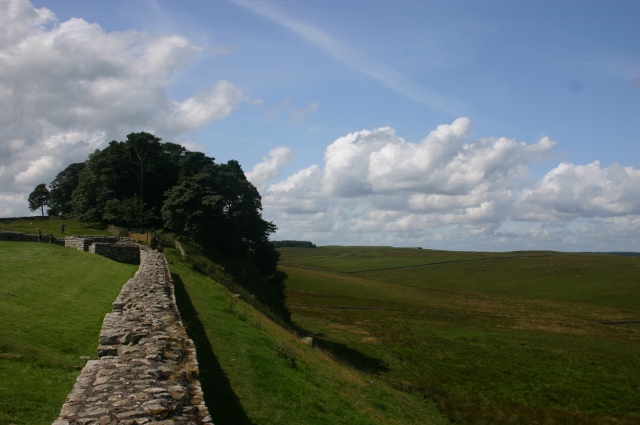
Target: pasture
[495, 338]
[52, 303]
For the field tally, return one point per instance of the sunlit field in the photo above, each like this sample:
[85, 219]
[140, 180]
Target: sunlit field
[52, 303]
[509, 338]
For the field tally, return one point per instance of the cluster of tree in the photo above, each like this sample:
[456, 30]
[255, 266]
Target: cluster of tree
[142, 182]
[293, 244]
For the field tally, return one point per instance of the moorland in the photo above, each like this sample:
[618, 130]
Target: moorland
[515, 337]
[481, 338]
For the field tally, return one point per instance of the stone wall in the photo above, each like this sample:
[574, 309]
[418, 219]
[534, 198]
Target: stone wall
[82, 243]
[32, 218]
[147, 372]
[124, 250]
[28, 237]
[121, 252]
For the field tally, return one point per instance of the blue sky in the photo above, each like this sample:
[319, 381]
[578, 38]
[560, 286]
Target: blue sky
[480, 125]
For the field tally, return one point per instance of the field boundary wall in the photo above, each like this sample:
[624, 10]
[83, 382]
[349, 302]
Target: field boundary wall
[146, 372]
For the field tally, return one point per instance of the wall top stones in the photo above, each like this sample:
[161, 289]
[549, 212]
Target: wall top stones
[147, 372]
[124, 250]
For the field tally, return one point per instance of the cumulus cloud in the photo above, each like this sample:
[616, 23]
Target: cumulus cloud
[67, 88]
[451, 191]
[270, 167]
[570, 191]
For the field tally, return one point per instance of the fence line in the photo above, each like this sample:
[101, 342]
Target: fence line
[181, 249]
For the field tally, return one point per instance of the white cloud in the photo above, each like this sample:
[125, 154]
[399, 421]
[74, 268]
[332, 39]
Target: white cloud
[452, 192]
[67, 88]
[215, 104]
[270, 167]
[569, 191]
[37, 171]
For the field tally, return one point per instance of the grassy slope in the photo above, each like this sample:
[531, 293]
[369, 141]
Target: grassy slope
[247, 381]
[52, 302]
[52, 227]
[505, 336]
[498, 357]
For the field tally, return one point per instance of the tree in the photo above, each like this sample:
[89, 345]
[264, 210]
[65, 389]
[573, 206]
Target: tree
[140, 147]
[62, 187]
[104, 177]
[39, 198]
[221, 210]
[139, 167]
[128, 213]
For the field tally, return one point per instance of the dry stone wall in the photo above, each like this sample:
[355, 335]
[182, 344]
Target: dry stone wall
[124, 250]
[147, 372]
[123, 253]
[28, 237]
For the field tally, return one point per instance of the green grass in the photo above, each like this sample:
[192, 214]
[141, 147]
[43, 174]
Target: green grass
[503, 338]
[52, 303]
[52, 227]
[254, 372]
[500, 338]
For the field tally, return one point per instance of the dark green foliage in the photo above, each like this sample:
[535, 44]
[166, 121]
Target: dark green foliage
[144, 183]
[246, 278]
[62, 187]
[39, 198]
[265, 257]
[220, 209]
[128, 213]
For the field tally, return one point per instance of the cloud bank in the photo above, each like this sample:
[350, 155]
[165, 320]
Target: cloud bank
[68, 88]
[451, 192]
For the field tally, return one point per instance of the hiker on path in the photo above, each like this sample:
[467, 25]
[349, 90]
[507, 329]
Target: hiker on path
[62, 228]
[39, 234]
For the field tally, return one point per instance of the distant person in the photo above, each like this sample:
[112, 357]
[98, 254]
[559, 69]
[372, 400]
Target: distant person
[159, 247]
[39, 234]
[62, 228]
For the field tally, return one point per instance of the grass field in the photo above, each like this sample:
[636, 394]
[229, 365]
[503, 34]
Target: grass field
[492, 338]
[52, 303]
[500, 338]
[52, 227]
[254, 372]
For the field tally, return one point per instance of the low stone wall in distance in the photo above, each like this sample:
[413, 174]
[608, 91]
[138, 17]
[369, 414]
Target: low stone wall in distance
[147, 370]
[123, 253]
[124, 250]
[82, 243]
[28, 237]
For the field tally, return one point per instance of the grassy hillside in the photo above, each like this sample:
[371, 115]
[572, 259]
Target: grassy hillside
[254, 372]
[52, 227]
[52, 302]
[505, 338]
[501, 338]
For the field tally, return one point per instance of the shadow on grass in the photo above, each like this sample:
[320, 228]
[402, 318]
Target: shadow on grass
[344, 354]
[223, 404]
[351, 357]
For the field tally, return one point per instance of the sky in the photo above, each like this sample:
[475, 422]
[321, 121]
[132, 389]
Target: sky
[484, 125]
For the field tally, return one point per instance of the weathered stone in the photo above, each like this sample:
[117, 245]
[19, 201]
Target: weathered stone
[143, 342]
